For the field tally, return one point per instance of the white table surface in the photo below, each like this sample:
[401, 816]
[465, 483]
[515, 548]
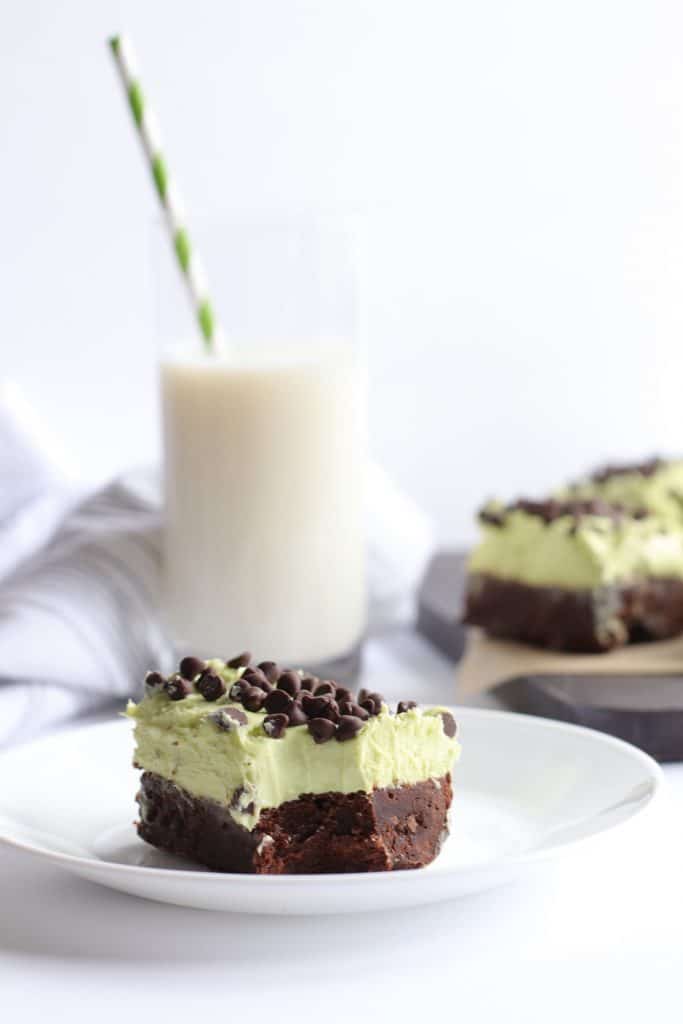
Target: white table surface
[594, 936]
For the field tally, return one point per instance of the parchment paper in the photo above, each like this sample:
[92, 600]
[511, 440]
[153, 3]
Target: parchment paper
[488, 662]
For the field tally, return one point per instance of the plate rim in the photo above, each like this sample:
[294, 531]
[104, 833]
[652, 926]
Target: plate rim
[339, 880]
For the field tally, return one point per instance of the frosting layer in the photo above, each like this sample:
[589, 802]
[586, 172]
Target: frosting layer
[246, 770]
[576, 552]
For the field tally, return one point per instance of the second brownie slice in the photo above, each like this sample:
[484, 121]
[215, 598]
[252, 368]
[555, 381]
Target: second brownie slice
[575, 575]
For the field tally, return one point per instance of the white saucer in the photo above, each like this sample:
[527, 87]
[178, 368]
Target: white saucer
[525, 789]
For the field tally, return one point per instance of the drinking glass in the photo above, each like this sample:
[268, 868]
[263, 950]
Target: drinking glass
[264, 449]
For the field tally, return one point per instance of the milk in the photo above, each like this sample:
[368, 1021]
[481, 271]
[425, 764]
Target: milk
[264, 479]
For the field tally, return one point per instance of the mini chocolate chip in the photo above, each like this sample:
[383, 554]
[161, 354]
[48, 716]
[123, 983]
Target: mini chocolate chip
[371, 706]
[331, 710]
[228, 719]
[449, 726]
[372, 702]
[239, 689]
[308, 683]
[326, 686]
[241, 661]
[255, 677]
[342, 694]
[289, 682]
[210, 685]
[405, 705]
[177, 688]
[363, 694]
[263, 684]
[275, 726]
[297, 715]
[315, 705]
[260, 681]
[240, 800]
[253, 699]
[349, 707]
[270, 669]
[154, 679]
[349, 727]
[321, 729]
[191, 667]
[278, 702]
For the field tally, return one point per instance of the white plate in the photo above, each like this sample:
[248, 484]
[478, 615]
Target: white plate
[525, 789]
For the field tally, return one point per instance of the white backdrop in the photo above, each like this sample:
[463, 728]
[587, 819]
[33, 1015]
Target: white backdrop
[519, 166]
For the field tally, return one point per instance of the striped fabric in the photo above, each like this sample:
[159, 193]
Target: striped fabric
[78, 619]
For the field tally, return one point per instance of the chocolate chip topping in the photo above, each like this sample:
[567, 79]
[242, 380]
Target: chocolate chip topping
[239, 689]
[241, 661]
[296, 700]
[253, 699]
[349, 707]
[289, 682]
[240, 800]
[210, 685]
[321, 729]
[550, 510]
[449, 726]
[405, 705]
[491, 516]
[278, 702]
[228, 719]
[372, 702]
[297, 715]
[154, 679]
[255, 677]
[270, 670]
[275, 725]
[331, 711]
[647, 468]
[316, 706]
[190, 667]
[177, 688]
[349, 726]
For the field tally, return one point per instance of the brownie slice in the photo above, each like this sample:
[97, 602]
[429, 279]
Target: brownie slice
[319, 833]
[264, 770]
[579, 575]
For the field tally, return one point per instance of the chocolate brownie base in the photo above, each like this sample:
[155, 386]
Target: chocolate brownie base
[575, 620]
[386, 830]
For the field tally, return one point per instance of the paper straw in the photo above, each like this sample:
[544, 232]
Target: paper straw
[186, 255]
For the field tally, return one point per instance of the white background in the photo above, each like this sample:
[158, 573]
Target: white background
[519, 166]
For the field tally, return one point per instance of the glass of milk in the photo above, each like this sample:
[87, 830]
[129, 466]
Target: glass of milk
[264, 450]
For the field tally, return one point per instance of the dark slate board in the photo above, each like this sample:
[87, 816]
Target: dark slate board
[644, 710]
[440, 603]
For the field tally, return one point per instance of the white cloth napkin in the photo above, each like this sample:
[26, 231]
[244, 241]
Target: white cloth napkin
[79, 576]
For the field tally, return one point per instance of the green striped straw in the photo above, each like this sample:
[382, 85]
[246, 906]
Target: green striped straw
[187, 256]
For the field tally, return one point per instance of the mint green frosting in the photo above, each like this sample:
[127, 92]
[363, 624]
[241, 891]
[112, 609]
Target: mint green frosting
[576, 554]
[661, 492]
[178, 741]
